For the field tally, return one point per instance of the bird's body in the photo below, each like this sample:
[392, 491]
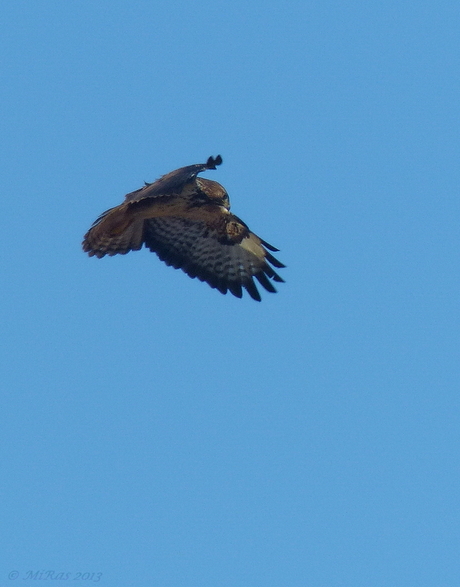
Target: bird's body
[187, 221]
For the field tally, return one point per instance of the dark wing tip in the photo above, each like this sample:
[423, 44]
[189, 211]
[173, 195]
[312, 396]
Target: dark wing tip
[252, 290]
[211, 163]
[274, 261]
[269, 246]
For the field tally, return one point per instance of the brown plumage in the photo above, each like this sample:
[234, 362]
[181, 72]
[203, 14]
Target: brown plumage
[186, 221]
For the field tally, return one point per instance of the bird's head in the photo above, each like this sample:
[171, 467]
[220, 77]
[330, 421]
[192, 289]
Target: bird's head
[213, 191]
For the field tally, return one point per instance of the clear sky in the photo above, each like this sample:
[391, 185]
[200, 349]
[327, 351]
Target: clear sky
[154, 432]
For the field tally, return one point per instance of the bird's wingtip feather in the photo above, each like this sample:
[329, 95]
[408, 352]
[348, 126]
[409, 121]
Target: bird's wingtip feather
[211, 163]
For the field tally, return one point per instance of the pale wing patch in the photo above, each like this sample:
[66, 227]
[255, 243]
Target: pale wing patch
[253, 245]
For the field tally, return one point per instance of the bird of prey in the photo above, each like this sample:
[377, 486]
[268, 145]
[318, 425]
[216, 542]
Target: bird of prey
[186, 221]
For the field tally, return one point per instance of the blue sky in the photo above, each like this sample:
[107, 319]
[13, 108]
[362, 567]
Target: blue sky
[159, 433]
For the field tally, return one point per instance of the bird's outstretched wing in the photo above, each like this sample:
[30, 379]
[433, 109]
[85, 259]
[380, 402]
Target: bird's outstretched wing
[224, 253]
[174, 181]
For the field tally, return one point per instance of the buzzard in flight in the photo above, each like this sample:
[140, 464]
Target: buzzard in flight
[186, 221]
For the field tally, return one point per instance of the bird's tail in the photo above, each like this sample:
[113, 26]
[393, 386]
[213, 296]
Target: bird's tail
[113, 233]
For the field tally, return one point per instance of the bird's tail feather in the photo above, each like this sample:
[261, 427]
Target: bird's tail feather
[113, 233]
